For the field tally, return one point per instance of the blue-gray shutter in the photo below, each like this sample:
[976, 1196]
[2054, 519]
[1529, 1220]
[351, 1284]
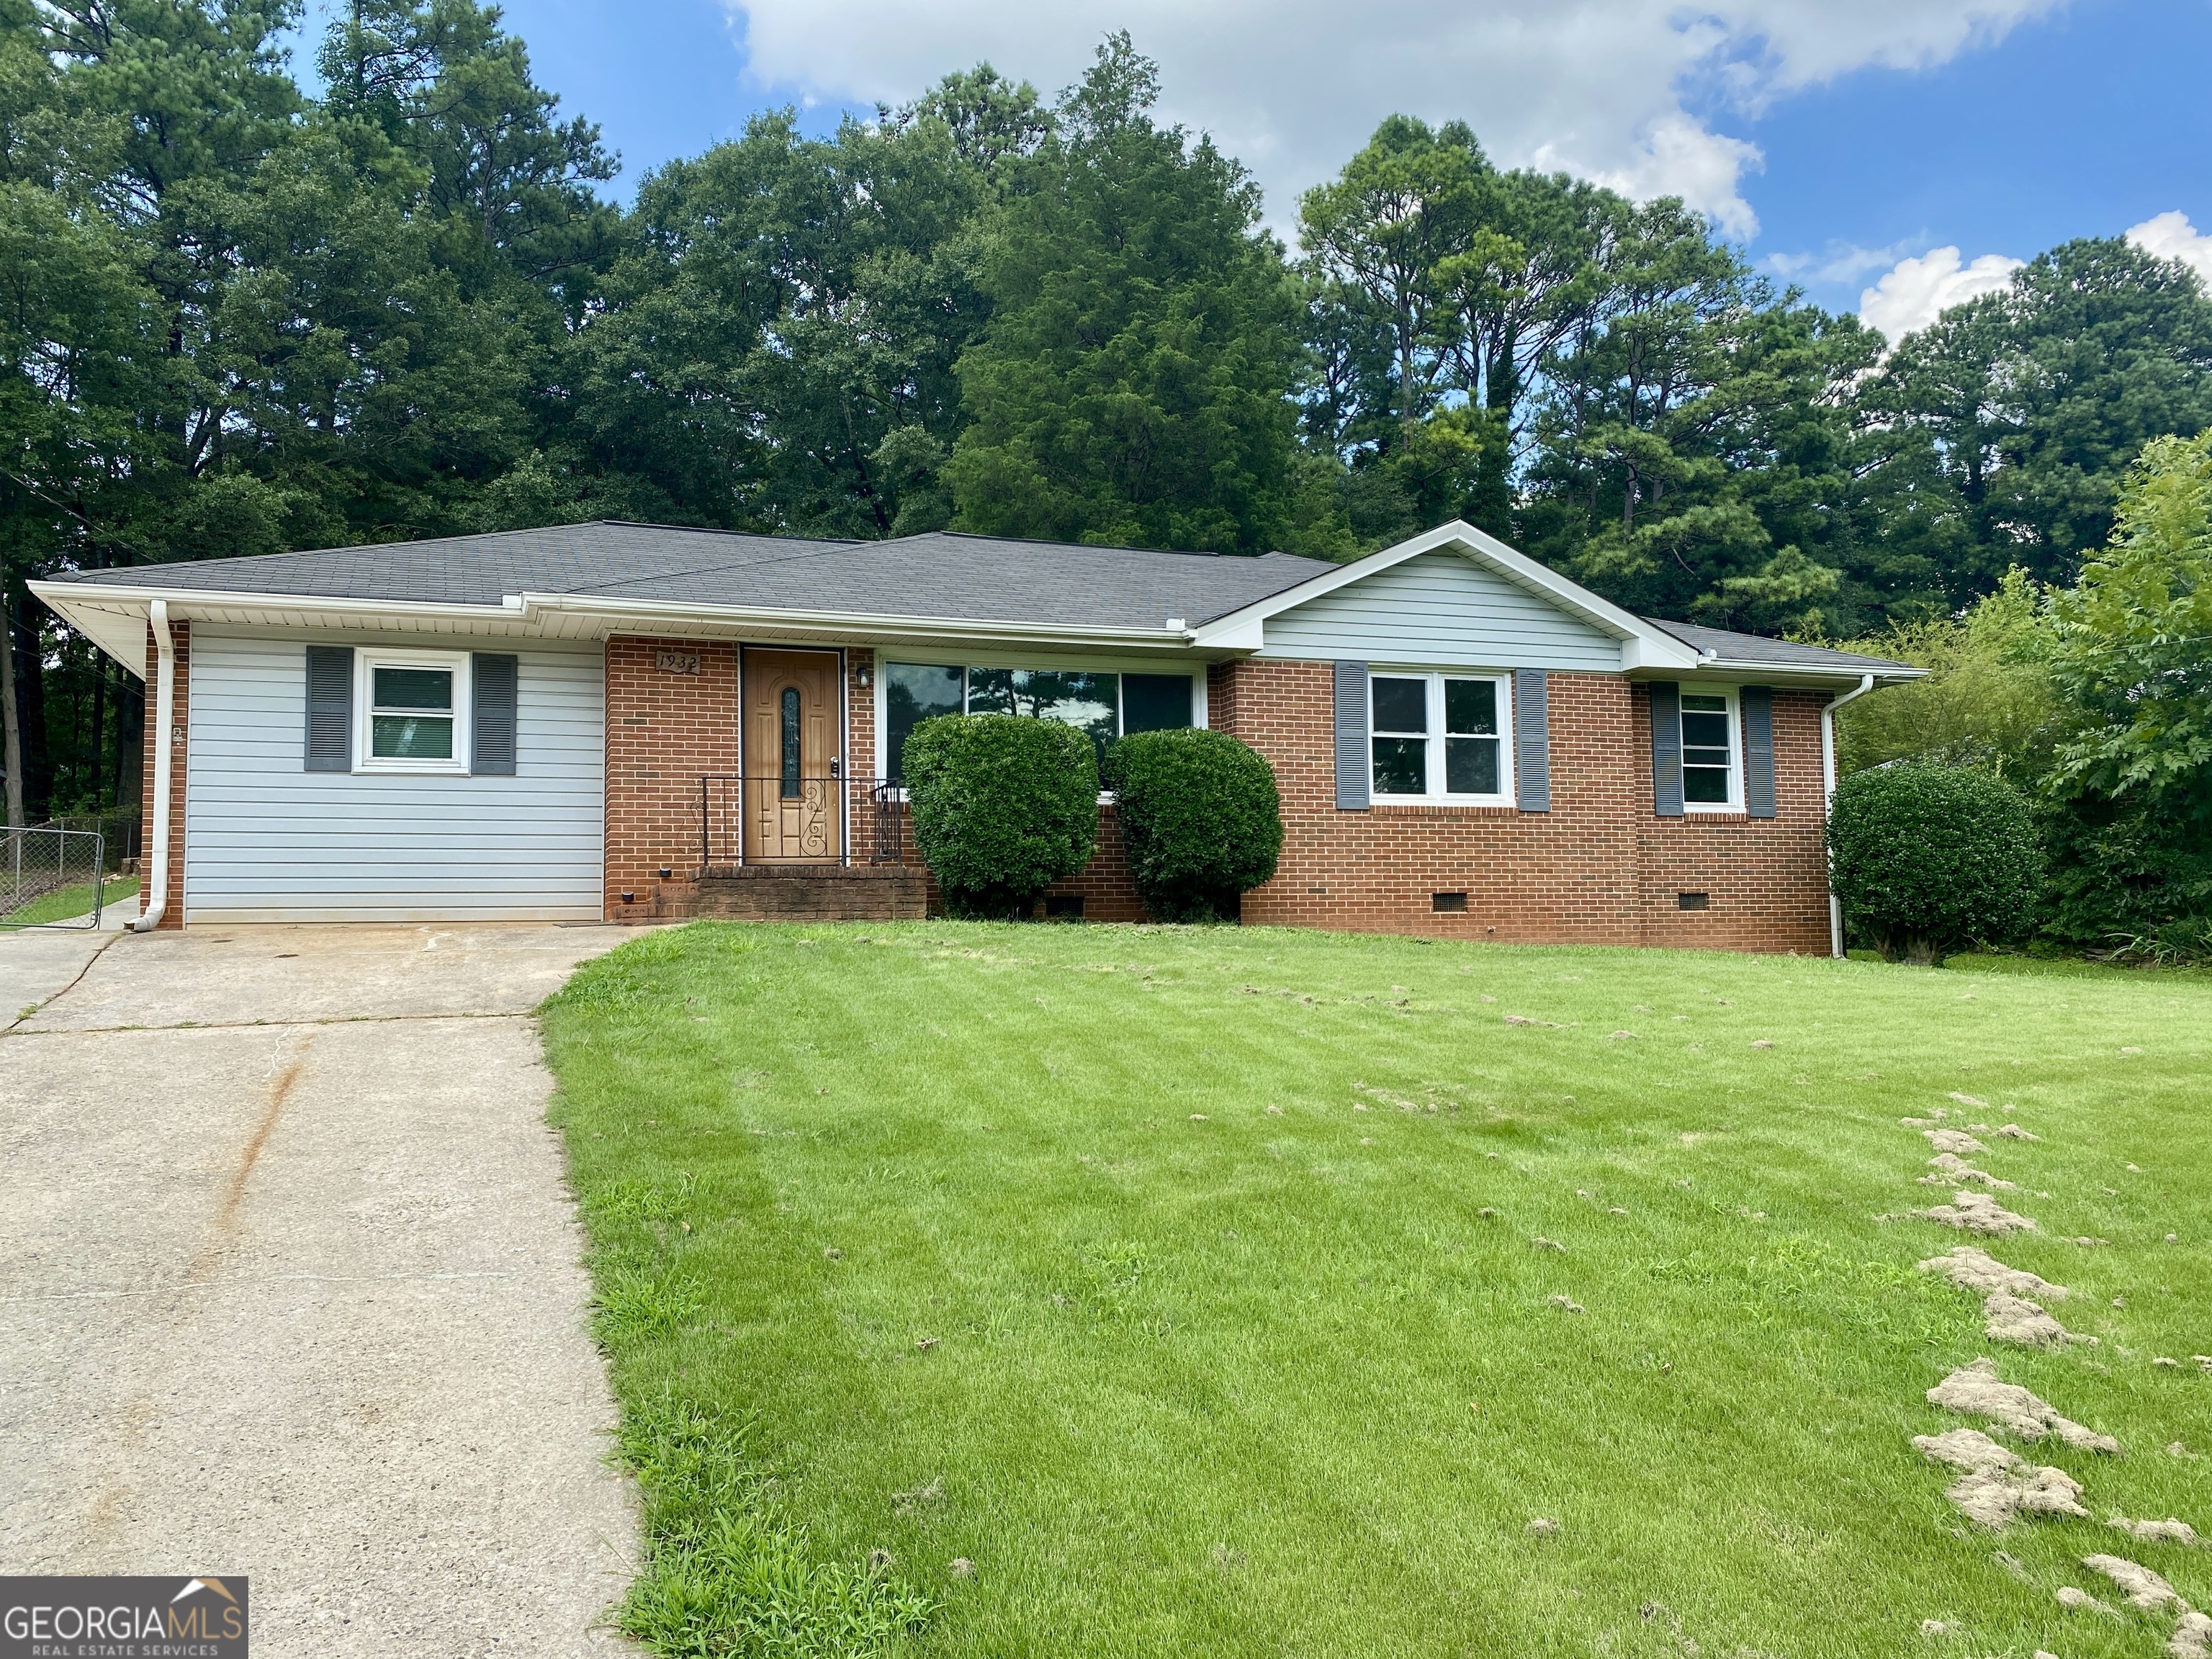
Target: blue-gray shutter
[330, 708]
[1353, 775]
[1756, 702]
[491, 701]
[1532, 740]
[1667, 749]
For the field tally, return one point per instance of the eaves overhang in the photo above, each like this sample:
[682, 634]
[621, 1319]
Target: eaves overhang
[114, 616]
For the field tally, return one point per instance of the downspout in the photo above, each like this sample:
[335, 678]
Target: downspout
[1828, 799]
[165, 711]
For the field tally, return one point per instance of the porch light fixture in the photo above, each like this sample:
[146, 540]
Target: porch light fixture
[864, 675]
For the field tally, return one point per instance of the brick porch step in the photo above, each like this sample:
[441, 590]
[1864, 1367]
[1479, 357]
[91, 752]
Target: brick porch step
[799, 893]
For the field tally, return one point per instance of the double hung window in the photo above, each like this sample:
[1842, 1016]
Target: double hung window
[1711, 774]
[1439, 737]
[414, 708]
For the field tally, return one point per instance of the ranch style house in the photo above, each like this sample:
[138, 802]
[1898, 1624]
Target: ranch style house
[636, 723]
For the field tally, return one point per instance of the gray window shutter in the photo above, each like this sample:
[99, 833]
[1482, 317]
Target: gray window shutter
[1353, 774]
[491, 701]
[330, 708]
[1756, 702]
[1532, 739]
[1667, 749]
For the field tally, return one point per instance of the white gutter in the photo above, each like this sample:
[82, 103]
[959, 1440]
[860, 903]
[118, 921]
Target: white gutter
[1828, 798]
[165, 712]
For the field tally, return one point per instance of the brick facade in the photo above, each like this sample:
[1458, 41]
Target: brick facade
[1600, 867]
[180, 735]
[665, 731]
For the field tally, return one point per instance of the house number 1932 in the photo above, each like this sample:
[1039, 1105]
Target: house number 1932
[677, 662]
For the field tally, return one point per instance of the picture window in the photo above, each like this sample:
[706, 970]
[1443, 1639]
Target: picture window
[1105, 705]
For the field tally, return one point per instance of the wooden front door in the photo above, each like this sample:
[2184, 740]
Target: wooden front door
[792, 758]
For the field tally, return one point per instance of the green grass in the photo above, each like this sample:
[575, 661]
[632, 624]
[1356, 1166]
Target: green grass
[67, 904]
[1186, 1284]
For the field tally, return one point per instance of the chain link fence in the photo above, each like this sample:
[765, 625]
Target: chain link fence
[52, 877]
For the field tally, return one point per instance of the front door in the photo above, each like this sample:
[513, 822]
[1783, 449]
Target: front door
[792, 754]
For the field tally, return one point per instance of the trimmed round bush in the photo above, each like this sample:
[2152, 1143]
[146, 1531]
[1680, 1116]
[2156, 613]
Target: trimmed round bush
[1202, 822]
[1003, 807]
[1927, 858]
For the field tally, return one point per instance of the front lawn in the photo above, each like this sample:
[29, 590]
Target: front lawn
[1102, 1290]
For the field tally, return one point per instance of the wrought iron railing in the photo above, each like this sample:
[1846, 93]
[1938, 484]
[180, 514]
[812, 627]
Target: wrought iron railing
[745, 818]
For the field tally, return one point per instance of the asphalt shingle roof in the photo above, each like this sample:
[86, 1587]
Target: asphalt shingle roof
[1781, 653]
[939, 574]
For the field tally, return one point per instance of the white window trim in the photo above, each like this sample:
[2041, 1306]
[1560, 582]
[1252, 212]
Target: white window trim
[1734, 804]
[1436, 794]
[366, 660]
[930, 657]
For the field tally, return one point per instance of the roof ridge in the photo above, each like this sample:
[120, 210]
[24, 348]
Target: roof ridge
[1074, 547]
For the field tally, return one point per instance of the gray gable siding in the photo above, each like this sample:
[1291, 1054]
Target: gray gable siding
[265, 840]
[1443, 608]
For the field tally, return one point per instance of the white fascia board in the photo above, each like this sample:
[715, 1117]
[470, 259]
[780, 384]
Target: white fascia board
[620, 614]
[1643, 646]
[114, 616]
[1843, 674]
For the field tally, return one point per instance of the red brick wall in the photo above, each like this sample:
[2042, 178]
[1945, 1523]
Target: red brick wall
[1767, 877]
[1600, 867]
[664, 732]
[180, 737]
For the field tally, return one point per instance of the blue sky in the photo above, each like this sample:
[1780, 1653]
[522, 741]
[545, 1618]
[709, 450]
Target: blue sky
[1835, 138]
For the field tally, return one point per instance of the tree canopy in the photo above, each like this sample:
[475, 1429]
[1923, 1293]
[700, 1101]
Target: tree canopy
[241, 314]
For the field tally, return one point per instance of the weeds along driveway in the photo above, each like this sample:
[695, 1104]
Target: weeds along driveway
[289, 1285]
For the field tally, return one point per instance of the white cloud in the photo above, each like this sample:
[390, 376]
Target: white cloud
[1840, 261]
[1913, 292]
[2171, 236]
[1294, 87]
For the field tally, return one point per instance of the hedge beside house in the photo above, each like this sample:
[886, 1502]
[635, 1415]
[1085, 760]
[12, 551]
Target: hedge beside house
[1003, 807]
[1201, 821]
[1927, 858]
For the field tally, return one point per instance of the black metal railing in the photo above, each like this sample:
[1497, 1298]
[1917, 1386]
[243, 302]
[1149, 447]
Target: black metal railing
[770, 818]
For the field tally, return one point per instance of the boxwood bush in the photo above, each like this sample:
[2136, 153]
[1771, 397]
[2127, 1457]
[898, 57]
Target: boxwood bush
[1927, 858]
[1202, 822]
[1003, 807]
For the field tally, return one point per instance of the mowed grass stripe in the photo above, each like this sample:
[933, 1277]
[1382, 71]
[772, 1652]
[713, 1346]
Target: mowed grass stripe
[1248, 1385]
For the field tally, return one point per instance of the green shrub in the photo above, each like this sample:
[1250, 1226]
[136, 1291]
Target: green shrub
[1927, 858]
[1201, 819]
[1003, 807]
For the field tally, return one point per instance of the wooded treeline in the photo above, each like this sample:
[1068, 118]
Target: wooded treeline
[238, 315]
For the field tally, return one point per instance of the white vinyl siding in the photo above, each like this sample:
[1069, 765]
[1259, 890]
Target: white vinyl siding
[267, 841]
[1441, 608]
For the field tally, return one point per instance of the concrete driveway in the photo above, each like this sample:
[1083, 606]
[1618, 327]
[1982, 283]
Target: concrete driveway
[289, 1285]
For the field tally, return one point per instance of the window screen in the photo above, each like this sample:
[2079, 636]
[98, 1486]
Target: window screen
[411, 715]
[1706, 761]
[1471, 738]
[1401, 742]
